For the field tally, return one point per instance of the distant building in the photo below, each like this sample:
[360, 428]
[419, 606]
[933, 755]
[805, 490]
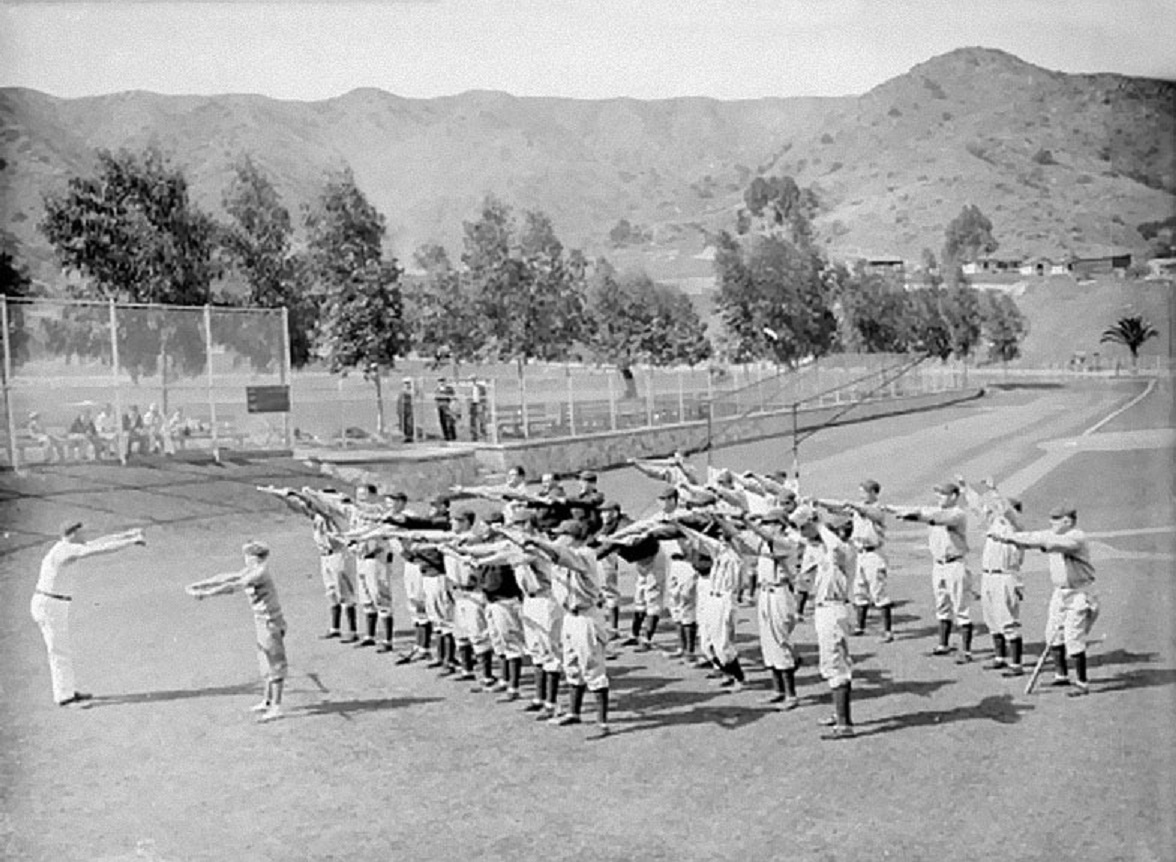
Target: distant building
[1160, 268]
[885, 265]
[1103, 262]
[991, 265]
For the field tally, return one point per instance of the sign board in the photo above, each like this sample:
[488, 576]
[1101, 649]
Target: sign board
[267, 399]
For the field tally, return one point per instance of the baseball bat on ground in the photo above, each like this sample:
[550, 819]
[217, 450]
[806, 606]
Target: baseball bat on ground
[1033, 677]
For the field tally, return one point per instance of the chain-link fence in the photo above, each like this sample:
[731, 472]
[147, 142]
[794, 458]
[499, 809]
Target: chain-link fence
[88, 380]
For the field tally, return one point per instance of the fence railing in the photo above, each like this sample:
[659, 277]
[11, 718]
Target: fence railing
[86, 380]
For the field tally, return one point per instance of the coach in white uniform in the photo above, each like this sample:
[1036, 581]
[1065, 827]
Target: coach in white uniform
[54, 592]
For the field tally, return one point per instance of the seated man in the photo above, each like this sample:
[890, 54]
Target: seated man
[83, 436]
[54, 450]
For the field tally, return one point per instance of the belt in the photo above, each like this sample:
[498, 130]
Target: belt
[771, 588]
[679, 558]
[996, 572]
[57, 596]
[947, 560]
[832, 602]
[868, 547]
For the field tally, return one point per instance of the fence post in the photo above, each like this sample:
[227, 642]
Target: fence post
[649, 396]
[493, 399]
[523, 400]
[287, 377]
[710, 393]
[612, 403]
[681, 395]
[571, 401]
[208, 364]
[13, 457]
[119, 438]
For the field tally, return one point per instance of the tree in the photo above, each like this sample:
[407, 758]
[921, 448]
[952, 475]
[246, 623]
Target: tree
[529, 291]
[15, 284]
[1132, 332]
[775, 299]
[783, 205]
[257, 244]
[872, 310]
[632, 318]
[361, 323]
[1004, 326]
[442, 310]
[967, 237]
[133, 233]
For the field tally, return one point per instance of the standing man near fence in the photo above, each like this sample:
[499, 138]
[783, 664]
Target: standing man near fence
[404, 410]
[446, 400]
[54, 592]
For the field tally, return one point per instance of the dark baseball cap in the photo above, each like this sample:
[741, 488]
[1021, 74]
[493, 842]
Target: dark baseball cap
[947, 488]
[571, 527]
[872, 486]
[396, 495]
[611, 506]
[668, 492]
[588, 476]
[68, 528]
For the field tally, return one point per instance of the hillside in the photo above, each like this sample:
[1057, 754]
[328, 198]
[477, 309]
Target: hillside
[891, 166]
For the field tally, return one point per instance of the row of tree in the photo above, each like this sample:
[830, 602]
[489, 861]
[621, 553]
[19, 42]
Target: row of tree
[515, 293]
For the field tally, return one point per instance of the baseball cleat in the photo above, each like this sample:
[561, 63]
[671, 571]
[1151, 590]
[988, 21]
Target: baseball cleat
[328, 635]
[1014, 670]
[964, 658]
[778, 697]
[1060, 681]
[366, 642]
[509, 696]
[565, 720]
[630, 641]
[603, 729]
[533, 706]
[1080, 689]
[274, 712]
[857, 633]
[260, 707]
[828, 721]
[349, 638]
[996, 664]
[384, 647]
[76, 697]
[887, 637]
[942, 650]
[676, 653]
[839, 731]
[789, 704]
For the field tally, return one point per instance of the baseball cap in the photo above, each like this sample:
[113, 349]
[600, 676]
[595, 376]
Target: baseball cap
[775, 516]
[254, 548]
[1015, 503]
[588, 476]
[804, 515]
[786, 494]
[440, 501]
[70, 527]
[947, 488]
[872, 486]
[1063, 510]
[495, 518]
[667, 493]
[396, 495]
[572, 528]
[611, 506]
[521, 516]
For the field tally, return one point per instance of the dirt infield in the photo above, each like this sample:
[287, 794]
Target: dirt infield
[378, 761]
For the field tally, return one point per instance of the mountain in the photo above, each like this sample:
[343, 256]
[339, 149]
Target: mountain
[1057, 161]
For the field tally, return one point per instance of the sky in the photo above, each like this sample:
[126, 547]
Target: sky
[727, 49]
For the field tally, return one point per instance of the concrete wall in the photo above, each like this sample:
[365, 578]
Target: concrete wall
[421, 472]
[611, 449]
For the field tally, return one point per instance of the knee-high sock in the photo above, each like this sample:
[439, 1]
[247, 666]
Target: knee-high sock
[691, 638]
[540, 684]
[614, 616]
[734, 669]
[352, 624]
[966, 631]
[577, 699]
[487, 661]
[1059, 659]
[467, 657]
[1016, 649]
[638, 621]
[602, 706]
[944, 632]
[790, 682]
[777, 680]
[336, 616]
[998, 645]
[650, 626]
[426, 635]
[841, 698]
[1080, 666]
[862, 612]
[388, 629]
[514, 667]
[886, 618]
[801, 601]
[372, 618]
[552, 687]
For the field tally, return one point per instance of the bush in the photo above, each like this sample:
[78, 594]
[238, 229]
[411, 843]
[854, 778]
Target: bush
[1044, 157]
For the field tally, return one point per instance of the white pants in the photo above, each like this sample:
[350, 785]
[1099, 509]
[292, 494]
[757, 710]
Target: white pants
[52, 615]
[832, 625]
[776, 610]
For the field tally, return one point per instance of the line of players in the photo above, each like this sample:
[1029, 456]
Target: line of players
[539, 579]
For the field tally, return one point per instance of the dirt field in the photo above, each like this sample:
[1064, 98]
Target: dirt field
[377, 761]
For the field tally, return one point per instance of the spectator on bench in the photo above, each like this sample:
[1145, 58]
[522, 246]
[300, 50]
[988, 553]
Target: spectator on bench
[83, 434]
[107, 429]
[135, 430]
[54, 450]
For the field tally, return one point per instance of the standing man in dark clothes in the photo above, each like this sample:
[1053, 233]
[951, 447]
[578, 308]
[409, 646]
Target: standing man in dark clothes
[446, 398]
[404, 411]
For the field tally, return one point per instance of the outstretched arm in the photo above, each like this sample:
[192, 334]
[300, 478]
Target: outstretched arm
[110, 544]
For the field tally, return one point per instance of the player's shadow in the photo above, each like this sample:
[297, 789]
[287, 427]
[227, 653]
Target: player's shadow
[1000, 708]
[878, 683]
[347, 708]
[173, 694]
[639, 711]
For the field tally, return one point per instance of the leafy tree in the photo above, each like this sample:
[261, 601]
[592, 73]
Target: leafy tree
[15, 284]
[530, 292]
[927, 329]
[967, 237]
[445, 320]
[783, 205]
[635, 319]
[134, 234]
[960, 308]
[775, 299]
[257, 244]
[872, 310]
[1132, 332]
[361, 323]
[1004, 326]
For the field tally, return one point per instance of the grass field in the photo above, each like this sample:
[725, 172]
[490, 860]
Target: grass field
[378, 761]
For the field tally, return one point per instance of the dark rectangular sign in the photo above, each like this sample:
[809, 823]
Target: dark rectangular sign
[267, 399]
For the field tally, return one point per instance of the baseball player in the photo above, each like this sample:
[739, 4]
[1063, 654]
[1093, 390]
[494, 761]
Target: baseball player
[867, 538]
[576, 586]
[1001, 588]
[542, 615]
[1073, 607]
[612, 519]
[425, 586]
[470, 627]
[591, 499]
[269, 622]
[831, 585]
[947, 537]
[778, 562]
[370, 560]
[718, 618]
[334, 566]
[504, 617]
[54, 592]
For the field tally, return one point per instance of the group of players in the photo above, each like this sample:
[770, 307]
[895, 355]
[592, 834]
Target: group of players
[538, 578]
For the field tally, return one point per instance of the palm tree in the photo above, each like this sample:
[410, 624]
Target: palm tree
[1131, 332]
